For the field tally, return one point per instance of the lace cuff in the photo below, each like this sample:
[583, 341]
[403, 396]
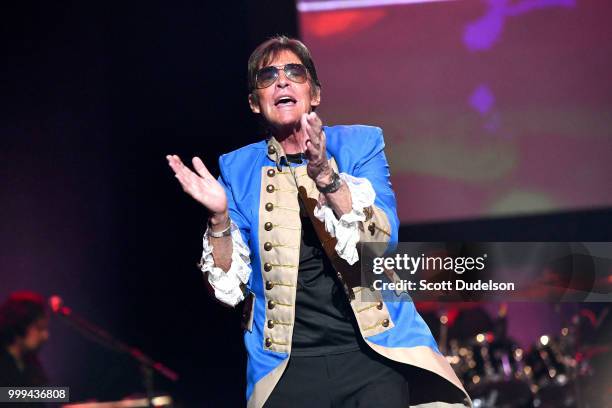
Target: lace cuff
[227, 285]
[346, 229]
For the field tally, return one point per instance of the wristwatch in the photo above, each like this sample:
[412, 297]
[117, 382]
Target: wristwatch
[225, 233]
[333, 186]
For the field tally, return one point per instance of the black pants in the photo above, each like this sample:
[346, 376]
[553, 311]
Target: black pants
[353, 379]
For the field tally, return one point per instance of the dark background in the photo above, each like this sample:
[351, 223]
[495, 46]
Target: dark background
[94, 95]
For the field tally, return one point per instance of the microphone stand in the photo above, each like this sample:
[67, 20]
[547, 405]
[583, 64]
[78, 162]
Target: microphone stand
[89, 330]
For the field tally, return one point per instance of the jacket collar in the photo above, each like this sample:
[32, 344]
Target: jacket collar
[276, 153]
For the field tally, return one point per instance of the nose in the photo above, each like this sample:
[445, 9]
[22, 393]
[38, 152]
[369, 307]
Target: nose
[282, 81]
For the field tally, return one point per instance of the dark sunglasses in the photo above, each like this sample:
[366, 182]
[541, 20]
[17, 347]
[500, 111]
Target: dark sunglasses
[268, 75]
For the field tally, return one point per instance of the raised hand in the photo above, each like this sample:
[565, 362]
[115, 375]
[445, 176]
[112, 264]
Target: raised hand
[202, 186]
[318, 167]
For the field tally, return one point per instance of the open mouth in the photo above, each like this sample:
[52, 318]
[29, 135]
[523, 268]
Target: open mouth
[285, 101]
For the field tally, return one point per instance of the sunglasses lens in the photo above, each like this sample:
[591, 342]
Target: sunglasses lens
[296, 72]
[266, 77]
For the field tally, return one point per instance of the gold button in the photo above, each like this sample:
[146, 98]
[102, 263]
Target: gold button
[270, 324]
[270, 188]
[269, 285]
[372, 228]
[385, 323]
[269, 206]
[268, 226]
[267, 267]
[271, 150]
[271, 304]
[270, 172]
[268, 246]
[268, 342]
[379, 306]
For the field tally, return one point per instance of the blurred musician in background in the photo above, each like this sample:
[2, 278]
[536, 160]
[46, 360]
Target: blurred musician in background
[24, 328]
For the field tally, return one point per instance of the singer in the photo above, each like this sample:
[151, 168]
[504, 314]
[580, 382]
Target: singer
[287, 215]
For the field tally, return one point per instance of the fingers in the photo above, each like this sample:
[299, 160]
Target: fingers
[304, 123]
[184, 182]
[184, 175]
[175, 163]
[314, 120]
[311, 124]
[312, 138]
[179, 168]
[315, 144]
[199, 166]
[311, 150]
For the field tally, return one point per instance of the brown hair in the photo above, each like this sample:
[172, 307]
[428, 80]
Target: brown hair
[17, 313]
[269, 49]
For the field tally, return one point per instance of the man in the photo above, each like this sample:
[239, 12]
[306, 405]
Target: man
[24, 328]
[287, 215]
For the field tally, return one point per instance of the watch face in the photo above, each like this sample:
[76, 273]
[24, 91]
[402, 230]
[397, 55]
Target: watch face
[333, 186]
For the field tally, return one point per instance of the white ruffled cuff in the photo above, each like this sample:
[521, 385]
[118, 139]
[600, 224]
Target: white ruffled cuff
[227, 284]
[346, 229]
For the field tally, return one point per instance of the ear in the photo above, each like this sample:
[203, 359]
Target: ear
[316, 97]
[254, 103]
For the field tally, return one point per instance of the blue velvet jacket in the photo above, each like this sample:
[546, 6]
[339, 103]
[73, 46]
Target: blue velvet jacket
[262, 189]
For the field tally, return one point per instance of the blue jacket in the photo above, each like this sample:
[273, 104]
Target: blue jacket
[262, 188]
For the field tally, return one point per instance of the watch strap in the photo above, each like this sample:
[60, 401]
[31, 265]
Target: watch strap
[224, 233]
[333, 186]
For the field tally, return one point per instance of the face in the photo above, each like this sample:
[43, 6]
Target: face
[283, 103]
[36, 335]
